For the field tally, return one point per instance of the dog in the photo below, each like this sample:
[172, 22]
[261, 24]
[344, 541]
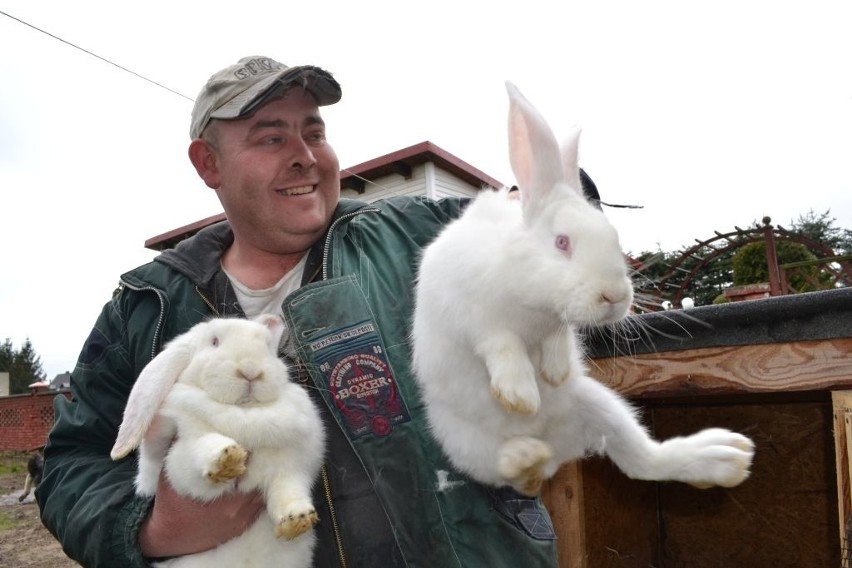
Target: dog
[35, 467]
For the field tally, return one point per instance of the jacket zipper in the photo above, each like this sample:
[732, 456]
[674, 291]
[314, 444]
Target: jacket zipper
[326, 484]
[331, 229]
[206, 301]
[326, 488]
[157, 330]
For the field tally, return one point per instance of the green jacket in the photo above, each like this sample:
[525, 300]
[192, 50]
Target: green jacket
[388, 496]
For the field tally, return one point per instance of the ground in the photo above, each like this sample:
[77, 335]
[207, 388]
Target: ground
[24, 542]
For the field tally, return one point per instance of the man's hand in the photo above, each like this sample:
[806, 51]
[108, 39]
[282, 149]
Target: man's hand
[179, 525]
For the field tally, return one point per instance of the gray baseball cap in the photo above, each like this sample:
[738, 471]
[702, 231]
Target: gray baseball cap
[239, 90]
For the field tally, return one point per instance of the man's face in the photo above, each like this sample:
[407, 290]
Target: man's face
[276, 175]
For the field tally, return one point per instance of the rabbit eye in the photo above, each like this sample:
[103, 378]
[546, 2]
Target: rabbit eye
[215, 341]
[563, 243]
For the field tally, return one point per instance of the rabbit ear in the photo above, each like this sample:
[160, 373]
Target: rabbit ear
[533, 153]
[151, 388]
[570, 161]
[275, 325]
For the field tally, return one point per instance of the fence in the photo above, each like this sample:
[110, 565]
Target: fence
[26, 419]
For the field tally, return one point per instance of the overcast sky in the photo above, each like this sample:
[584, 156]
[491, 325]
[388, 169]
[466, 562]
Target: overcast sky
[709, 114]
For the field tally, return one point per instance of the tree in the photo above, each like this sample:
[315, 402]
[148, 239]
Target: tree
[750, 264]
[820, 227]
[23, 365]
[7, 355]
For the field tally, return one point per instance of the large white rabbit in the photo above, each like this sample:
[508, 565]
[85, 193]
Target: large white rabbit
[223, 395]
[500, 295]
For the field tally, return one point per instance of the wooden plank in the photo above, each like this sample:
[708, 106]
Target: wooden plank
[778, 367]
[784, 515]
[621, 518]
[563, 497]
[842, 410]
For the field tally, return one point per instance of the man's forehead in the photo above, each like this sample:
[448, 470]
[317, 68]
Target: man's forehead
[256, 123]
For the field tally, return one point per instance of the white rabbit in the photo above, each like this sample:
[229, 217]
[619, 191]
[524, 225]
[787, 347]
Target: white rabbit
[238, 423]
[500, 295]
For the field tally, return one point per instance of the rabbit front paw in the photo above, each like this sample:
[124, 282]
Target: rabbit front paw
[522, 462]
[514, 387]
[516, 396]
[556, 359]
[513, 378]
[228, 465]
[298, 518]
[555, 375]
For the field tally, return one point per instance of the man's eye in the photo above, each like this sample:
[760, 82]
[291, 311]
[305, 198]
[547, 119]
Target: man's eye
[271, 140]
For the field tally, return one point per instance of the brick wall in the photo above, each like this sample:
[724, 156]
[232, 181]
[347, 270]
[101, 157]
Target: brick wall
[26, 419]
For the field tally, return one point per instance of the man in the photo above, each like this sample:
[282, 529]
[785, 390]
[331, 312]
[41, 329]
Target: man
[341, 272]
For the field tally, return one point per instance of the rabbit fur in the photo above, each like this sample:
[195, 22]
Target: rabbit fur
[500, 295]
[217, 410]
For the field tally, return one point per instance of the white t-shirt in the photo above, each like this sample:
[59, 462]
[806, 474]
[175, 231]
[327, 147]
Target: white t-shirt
[268, 300]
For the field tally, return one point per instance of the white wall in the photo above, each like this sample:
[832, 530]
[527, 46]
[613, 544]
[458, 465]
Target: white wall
[426, 179]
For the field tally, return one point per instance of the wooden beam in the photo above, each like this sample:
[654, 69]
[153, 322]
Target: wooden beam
[822, 365]
[842, 406]
[563, 496]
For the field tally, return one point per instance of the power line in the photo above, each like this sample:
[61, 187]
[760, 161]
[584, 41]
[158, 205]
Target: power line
[96, 55]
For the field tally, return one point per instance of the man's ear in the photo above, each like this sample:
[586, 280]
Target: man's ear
[204, 158]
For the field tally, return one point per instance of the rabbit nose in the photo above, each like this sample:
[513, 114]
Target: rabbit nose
[250, 371]
[612, 297]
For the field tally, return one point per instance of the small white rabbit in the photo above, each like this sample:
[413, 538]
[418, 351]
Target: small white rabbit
[500, 295]
[216, 408]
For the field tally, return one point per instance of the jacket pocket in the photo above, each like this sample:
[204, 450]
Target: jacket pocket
[337, 336]
[526, 513]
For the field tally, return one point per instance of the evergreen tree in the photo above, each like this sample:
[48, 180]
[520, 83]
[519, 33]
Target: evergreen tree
[23, 365]
[7, 356]
[820, 227]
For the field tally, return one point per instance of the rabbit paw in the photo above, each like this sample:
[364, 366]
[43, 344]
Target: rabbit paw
[712, 457]
[520, 400]
[229, 465]
[556, 359]
[516, 392]
[522, 462]
[555, 376]
[298, 519]
[513, 378]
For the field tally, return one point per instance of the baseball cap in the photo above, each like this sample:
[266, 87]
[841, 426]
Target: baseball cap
[240, 89]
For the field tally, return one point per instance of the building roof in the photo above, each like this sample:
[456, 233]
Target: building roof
[61, 381]
[355, 177]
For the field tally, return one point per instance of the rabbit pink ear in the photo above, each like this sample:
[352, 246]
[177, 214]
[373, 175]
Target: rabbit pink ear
[533, 153]
[275, 325]
[148, 393]
[570, 160]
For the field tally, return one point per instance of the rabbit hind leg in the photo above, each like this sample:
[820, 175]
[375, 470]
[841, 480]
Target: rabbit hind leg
[290, 507]
[522, 461]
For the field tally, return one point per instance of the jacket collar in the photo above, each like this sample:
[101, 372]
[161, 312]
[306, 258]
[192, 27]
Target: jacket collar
[198, 257]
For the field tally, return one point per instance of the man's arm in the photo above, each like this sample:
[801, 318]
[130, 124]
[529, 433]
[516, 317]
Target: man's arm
[87, 500]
